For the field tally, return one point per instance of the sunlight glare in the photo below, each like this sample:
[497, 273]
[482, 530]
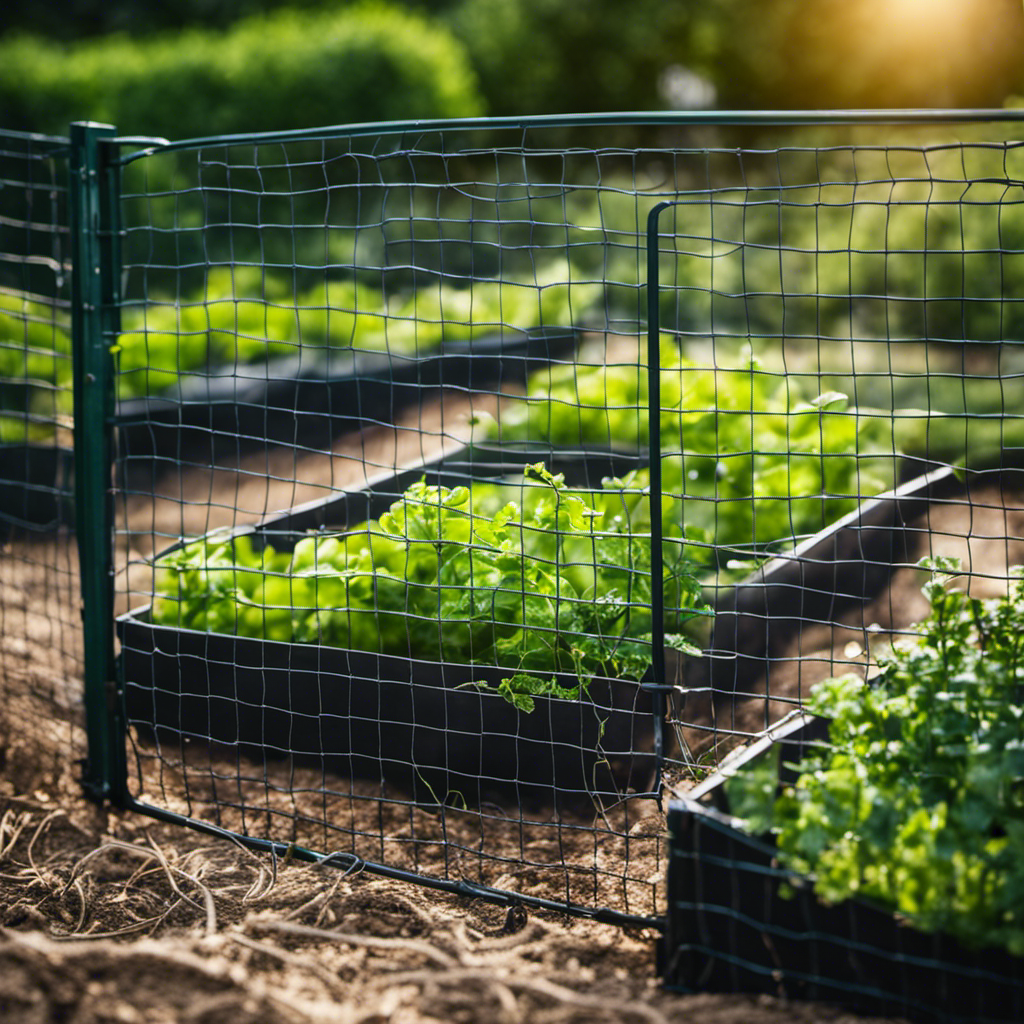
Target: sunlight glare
[929, 52]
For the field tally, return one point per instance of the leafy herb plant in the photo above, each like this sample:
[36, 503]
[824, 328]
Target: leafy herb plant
[748, 462]
[242, 318]
[918, 800]
[35, 369]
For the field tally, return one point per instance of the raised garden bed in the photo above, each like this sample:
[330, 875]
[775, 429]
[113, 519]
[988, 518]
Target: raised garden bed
[313, 397]
[738, 920]
[837, 569]
[307, 400]
[368, 714]
[413, 723]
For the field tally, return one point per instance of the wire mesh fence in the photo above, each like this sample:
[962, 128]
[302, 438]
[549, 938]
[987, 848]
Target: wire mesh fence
[856, 512]
[433, 615]
[476, 486]
[859, 317]
[397, 383]
[40, 629]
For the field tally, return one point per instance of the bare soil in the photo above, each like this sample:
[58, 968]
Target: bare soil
[107, 916]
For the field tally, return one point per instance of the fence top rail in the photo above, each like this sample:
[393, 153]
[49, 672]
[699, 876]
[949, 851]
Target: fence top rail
[770, 118]
[55, 141]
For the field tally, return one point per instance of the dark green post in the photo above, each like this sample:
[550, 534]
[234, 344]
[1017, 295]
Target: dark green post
[95, 323]
[654, 441]
[657, 685]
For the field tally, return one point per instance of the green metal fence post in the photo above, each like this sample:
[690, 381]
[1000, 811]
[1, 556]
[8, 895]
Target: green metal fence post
[654, 444]
[93, 195]
[657, 685]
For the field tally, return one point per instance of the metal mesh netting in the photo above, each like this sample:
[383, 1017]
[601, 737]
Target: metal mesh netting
[40, 649]
[860, 307]
[852, 484]
[422, 652]
[384, 518]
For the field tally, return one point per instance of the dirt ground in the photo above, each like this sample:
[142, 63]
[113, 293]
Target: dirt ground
[108, 918]
[112, 917]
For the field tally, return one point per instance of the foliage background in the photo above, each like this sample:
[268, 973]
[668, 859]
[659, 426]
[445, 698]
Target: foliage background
[204, 66]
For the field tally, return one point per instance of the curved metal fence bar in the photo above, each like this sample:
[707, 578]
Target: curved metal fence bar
[744, 118]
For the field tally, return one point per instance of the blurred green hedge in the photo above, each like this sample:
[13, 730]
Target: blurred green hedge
[550, 56]
[290, 69]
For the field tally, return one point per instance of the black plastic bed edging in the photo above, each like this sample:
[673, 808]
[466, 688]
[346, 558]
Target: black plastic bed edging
[36, 483]
[729, 927]
[583, 468]
[839, 568]
[356, 714]
[319, 393]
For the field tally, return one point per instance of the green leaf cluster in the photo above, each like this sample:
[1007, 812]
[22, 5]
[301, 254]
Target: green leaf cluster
[35, 368]
[898, 250]
[35, 343]
[243, 317]
[918, 800]
[748, 462]
[896, 254]
[448, 575]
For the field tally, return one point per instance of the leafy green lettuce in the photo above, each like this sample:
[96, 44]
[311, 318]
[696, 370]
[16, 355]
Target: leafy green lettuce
[747, 462]
[557, 587]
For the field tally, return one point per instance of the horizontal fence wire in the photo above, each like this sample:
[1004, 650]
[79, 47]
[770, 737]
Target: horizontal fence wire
[383, 477]
[40, 628]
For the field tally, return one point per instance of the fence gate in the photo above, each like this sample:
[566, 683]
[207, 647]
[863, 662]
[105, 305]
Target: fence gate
[447, 493]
